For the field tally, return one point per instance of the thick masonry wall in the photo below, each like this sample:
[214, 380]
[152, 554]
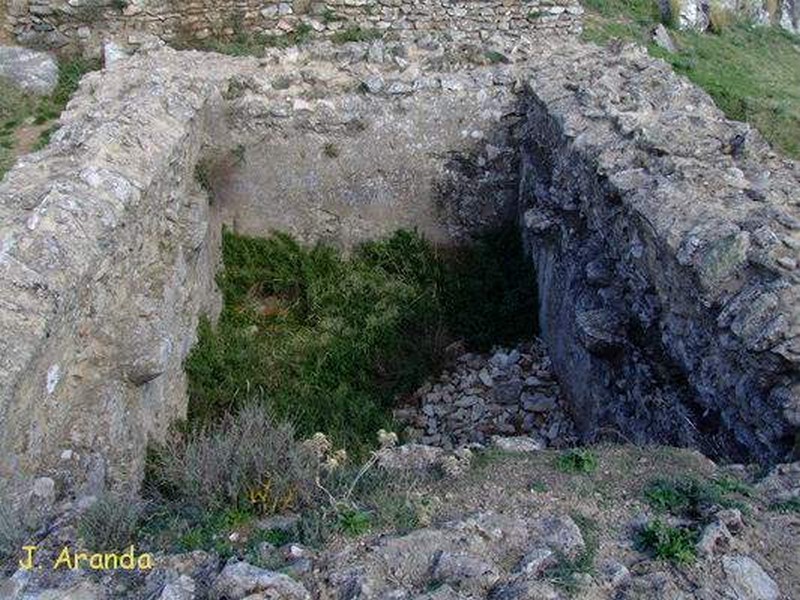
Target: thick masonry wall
[86, 24]
[666, 241]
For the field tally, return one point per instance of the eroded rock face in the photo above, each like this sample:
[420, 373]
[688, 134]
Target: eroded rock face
[665, 239]
[29, 70]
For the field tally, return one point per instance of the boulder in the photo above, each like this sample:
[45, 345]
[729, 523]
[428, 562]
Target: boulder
[30, 70]
[240, 579]
[747, 580]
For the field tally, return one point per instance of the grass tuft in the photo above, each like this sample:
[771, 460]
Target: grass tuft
[112, 522]
[578, 461]
[675, 544]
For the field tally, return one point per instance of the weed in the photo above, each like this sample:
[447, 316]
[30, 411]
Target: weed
[565, 572]
[12, 532]
[331, 150]
[329, 16]
[203, 176]
[494, 57]
[579, 461]
[535, 15]
[354, 522]
[222, 466]
[356, 34]
[112, 522]
[719, 18]
[788, 506]
[692, 497]
[538, 487]
[676, 544]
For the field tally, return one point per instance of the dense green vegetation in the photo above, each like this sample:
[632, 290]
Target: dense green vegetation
[18, 109]
[753, 73]
[329, 342]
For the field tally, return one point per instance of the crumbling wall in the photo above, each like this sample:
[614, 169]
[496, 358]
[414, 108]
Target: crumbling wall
[108, 254]
[85, 24]
[665, 239]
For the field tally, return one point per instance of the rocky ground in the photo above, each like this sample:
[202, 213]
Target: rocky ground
[504, 512]
[511, 526]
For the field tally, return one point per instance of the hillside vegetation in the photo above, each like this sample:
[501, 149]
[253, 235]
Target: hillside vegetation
[753, 73]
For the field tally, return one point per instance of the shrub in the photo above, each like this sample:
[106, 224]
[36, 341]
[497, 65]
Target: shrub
[112, 522]
[245, 461]
[676, 544]
[690, 497]
[577, 461]
[12, 532]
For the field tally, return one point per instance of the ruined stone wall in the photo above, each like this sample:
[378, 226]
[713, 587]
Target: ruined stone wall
[665, 239]
[108, 253]
[110, 239]
[85, 24]
[664, 236]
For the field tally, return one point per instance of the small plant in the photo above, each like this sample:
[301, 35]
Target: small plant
[676, 544]
[202, 174]
[538, 487]
[331, 150]
[112, 522]
[12, 532]
[535, 15]
[495, 57]
[245, 461]
[579, 461]
[788, 506]
[690, 497]
[329, 16]
[565, 572]
[119, 5]
[356, 34]
[719, 17]
[354, 522]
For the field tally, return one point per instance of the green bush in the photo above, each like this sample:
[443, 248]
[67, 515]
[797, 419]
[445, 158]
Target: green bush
[676, 544]
[577, 461]
[691, 497]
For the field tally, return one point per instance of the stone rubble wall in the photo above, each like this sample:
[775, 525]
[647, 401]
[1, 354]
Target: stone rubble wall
[665, 239]
[109, 244]
[86, 24]
[666, 242]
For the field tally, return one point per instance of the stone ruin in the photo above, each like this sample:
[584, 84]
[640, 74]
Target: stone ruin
[86, 24]
[664, 237]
